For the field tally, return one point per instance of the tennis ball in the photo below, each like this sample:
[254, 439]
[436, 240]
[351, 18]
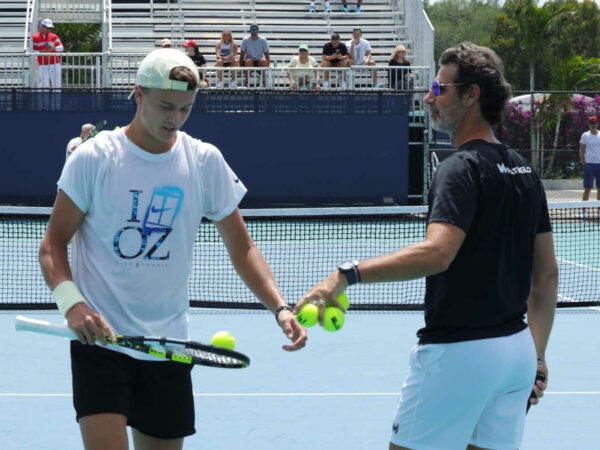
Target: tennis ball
[223, 339]
[344, 300]
[308, 316]
[333, 319]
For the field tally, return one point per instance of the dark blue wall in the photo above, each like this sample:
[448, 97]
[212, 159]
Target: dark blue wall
[288, 149]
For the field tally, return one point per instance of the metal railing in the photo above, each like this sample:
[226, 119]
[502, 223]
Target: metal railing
[106, 70]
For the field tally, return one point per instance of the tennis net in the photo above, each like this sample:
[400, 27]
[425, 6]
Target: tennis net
[302, 247]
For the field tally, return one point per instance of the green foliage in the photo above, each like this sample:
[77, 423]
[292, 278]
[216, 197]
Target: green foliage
[456, 21]
[80, 37]
[531, 39]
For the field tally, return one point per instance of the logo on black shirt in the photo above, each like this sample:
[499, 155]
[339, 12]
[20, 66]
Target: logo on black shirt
[513, 170]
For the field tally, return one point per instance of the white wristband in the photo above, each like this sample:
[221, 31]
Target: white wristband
[66, 295]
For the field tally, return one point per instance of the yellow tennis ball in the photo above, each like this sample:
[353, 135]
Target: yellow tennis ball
[223, 339]
[308, 316]
[344, 300]
[333, 319]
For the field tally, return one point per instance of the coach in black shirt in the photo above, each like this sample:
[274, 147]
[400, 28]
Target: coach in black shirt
[488, 256]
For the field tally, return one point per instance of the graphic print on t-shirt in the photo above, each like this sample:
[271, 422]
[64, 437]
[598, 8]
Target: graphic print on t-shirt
[134, 241]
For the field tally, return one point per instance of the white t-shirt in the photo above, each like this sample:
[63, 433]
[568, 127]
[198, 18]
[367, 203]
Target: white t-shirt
[132, 255]
[592, 147]
[72, 143]
[360, 50]
[306, 69]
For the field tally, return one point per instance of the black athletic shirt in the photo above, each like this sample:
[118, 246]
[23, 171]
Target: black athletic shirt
[493, 195]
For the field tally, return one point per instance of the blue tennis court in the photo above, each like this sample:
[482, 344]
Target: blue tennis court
[339, 392]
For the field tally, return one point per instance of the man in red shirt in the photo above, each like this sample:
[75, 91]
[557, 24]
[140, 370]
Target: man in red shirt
[47, 43]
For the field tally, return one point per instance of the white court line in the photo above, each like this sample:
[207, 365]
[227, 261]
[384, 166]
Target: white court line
[297, 394]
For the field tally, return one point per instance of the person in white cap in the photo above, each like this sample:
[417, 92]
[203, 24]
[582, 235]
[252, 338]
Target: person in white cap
[47, 44]
[165, 43]
[303, 73]
[130, 202]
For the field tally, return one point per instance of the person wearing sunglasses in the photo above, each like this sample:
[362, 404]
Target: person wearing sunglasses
[254, 52]
[488, 258]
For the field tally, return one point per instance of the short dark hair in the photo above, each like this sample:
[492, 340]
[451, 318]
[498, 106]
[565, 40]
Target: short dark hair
[182, 73]
[335, 37]
[482, 66]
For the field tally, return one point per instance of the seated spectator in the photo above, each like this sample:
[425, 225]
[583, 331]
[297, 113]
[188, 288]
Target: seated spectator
[335, 54]
[192, 50]
[254, 51]
[359, 52]
[165, 43]
[304, 74]
[400, 79]
[313, 7]
[226, 51]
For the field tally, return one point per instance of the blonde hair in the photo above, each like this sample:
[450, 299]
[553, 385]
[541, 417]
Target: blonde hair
[227, 31]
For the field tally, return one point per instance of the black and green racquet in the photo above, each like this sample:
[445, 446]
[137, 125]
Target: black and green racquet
[180, 351]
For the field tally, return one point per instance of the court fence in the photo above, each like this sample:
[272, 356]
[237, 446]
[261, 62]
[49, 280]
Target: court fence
[302, 247]
[118, 70]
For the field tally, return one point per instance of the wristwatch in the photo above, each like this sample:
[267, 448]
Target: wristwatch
[350, 271]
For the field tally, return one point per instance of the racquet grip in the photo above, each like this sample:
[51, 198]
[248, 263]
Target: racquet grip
[538, 376]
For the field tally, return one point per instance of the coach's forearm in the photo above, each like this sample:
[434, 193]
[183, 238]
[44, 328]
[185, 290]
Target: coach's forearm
[541, 309]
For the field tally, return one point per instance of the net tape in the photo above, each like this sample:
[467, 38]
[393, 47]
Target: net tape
[303, 246]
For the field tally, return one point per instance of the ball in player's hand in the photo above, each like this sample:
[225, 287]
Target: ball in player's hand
[308, 316]
[333, 319]
[223, 339]
[343, 300]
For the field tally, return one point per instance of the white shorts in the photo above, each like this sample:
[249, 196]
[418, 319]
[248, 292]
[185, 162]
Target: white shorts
[466, 392]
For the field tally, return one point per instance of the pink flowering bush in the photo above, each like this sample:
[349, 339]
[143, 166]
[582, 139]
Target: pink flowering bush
[562, 162]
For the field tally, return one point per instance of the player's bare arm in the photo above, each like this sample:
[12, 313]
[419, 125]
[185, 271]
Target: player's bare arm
[253, 269]
[53, 256]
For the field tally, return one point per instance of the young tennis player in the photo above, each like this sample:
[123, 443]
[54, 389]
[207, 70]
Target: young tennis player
[130, 201]
[488, 256]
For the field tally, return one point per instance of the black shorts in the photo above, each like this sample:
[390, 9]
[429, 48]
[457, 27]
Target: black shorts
[156, 397]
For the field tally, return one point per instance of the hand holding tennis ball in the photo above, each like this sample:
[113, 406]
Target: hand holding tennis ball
[308, 316]
[343, 300]
[223, 339]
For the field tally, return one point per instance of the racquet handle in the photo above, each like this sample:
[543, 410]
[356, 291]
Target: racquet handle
[538, 376]
[41, 326]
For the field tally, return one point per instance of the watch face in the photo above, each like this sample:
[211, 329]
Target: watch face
[346, 265]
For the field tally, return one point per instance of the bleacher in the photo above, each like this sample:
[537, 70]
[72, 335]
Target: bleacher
[286, 25]
[12, 25]
[134, 27]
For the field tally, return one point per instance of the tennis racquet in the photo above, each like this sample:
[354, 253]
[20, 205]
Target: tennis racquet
[538, 376]
[186, 352]
[97, 128]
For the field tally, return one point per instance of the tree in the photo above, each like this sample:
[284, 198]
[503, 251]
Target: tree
[534, 29]
[456, 21]
[566, 77]
[80, 37]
